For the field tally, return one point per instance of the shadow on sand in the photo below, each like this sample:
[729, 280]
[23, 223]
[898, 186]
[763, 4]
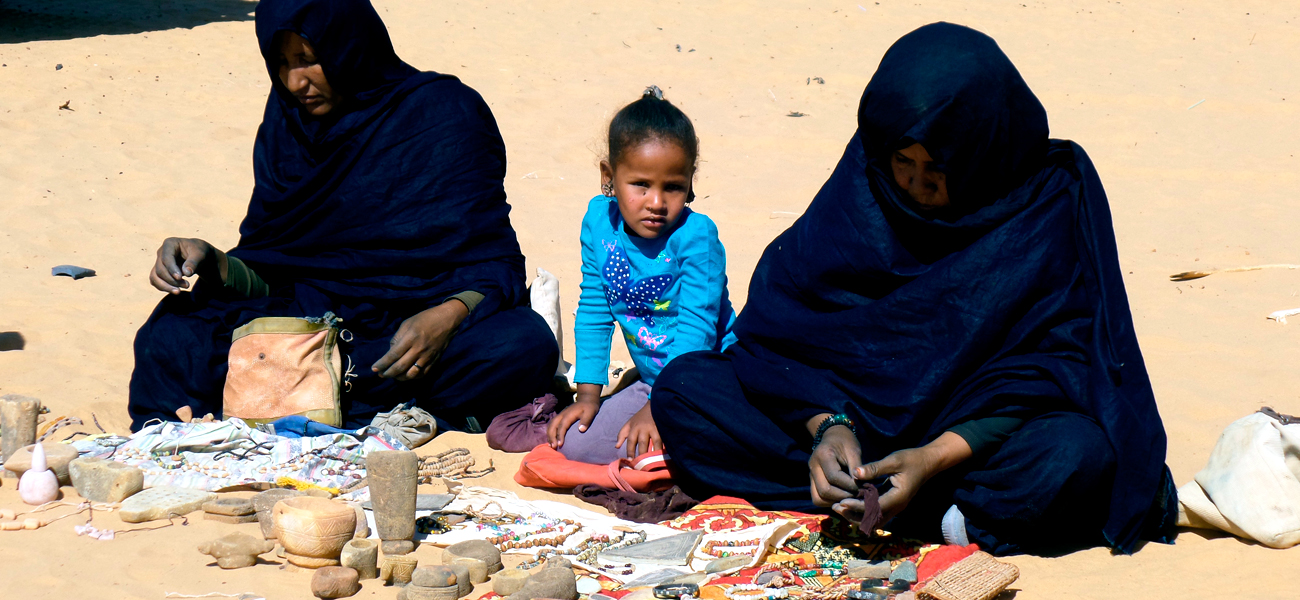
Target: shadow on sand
[36, 20]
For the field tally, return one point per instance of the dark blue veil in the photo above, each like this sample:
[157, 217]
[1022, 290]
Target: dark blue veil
[1009, 302]
[397, 199]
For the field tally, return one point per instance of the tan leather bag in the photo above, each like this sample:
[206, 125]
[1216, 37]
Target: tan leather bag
[283, 366]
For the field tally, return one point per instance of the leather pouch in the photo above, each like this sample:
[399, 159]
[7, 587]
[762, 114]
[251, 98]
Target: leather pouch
[285, 366]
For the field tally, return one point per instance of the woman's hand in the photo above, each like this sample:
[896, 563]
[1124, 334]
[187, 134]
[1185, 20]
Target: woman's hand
[834, 464]
[419, 341]
[179, 258]
[582, 411]
[640, 434]
[907, 471]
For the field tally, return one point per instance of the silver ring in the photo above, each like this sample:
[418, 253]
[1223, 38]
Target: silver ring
[418, 367]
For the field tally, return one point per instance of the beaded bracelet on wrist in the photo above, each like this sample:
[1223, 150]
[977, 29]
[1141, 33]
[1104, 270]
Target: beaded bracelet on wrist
[831, 421]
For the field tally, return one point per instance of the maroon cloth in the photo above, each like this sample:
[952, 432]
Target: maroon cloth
[871, 514]
[524, 428]
[648, 507]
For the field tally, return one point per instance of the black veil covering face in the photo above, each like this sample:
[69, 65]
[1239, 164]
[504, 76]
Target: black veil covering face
[389, 205]
[1008, 303]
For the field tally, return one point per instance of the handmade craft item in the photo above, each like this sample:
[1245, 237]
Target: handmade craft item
[313, 530]
[264, 502]
[102, 480]
[397, 569]
[476, 549]
[39, 484]
[558, 584]
[57, 457]
[393, 476]
[362, 555]
[236, 550]
[334, 582]
[509, 581]
[432, 583]
[452, 464]
[976, 577]
[17, 423]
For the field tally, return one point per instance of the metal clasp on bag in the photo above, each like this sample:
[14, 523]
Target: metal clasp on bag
[1284, 419]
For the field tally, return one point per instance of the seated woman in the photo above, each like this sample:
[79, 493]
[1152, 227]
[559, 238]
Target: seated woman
[379, 197]
[947, 321]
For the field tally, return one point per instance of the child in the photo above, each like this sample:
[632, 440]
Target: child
[650, 264]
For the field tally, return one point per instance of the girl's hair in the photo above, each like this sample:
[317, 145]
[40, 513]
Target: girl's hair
[651, 119]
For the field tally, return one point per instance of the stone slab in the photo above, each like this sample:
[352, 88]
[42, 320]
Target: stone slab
[101, 480]
[674, 550]
[158, 502]
[234, 507]
[232, 519]
[57, 457]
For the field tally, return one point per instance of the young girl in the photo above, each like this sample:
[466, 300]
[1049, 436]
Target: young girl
[650, 264]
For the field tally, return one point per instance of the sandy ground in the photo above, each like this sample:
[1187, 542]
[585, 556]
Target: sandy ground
[165, 98]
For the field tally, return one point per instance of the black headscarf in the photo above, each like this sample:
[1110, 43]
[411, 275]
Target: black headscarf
[1010, 302]
[396, 197]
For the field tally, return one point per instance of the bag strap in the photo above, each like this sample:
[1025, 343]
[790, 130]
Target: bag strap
[1284, 419]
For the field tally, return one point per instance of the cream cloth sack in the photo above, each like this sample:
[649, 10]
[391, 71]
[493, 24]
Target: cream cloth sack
[1251, 486]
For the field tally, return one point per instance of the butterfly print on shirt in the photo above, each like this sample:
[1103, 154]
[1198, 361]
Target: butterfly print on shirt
[641, 295]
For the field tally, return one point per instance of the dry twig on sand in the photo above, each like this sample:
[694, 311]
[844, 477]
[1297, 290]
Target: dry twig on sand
[1189, 275]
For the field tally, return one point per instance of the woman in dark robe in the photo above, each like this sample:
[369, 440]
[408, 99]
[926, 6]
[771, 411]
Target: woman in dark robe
[379, 197]
[946, 321]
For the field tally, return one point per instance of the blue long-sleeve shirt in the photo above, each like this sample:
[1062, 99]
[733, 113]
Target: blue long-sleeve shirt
[668, 294]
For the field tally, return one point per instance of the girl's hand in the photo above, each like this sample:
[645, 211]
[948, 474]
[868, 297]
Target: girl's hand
[833, 466]
[582, 411]
[640, 433]
[179, 258]
[907, 470]
[419, 341]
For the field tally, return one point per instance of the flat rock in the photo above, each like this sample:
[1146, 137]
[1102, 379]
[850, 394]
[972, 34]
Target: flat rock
[656, 578]
[906, 571]
[57, 457]
[695, 578]
[422, 502]
[159, 502]
[674, 550]
[479, 549]
[727, 563]
[233, 507]
[100, 480]
[334, 582]
[549, 583]
[240, 520]
[866, 569]
[509, 581]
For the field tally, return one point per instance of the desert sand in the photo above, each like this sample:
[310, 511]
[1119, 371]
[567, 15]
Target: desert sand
[1189, 111]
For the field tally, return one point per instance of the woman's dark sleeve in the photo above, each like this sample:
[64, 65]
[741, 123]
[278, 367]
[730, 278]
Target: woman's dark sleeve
[987, 434]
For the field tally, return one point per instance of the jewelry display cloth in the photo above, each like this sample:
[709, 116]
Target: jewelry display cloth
[227, 454]
[473, 500]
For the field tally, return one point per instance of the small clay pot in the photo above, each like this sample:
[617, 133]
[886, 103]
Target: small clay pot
[313, 530]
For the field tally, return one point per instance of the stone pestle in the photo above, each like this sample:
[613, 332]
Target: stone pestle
[393, 477]
[17, 423]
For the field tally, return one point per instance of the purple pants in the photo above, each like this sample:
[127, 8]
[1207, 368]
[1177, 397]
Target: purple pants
[596, 445]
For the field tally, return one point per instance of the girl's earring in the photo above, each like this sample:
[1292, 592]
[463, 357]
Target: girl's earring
[607, 188]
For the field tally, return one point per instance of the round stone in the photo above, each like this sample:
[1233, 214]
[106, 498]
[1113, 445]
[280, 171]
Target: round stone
[334, 582]
[509, 581]
[588, 586]
[433, 577]
[480, 549]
